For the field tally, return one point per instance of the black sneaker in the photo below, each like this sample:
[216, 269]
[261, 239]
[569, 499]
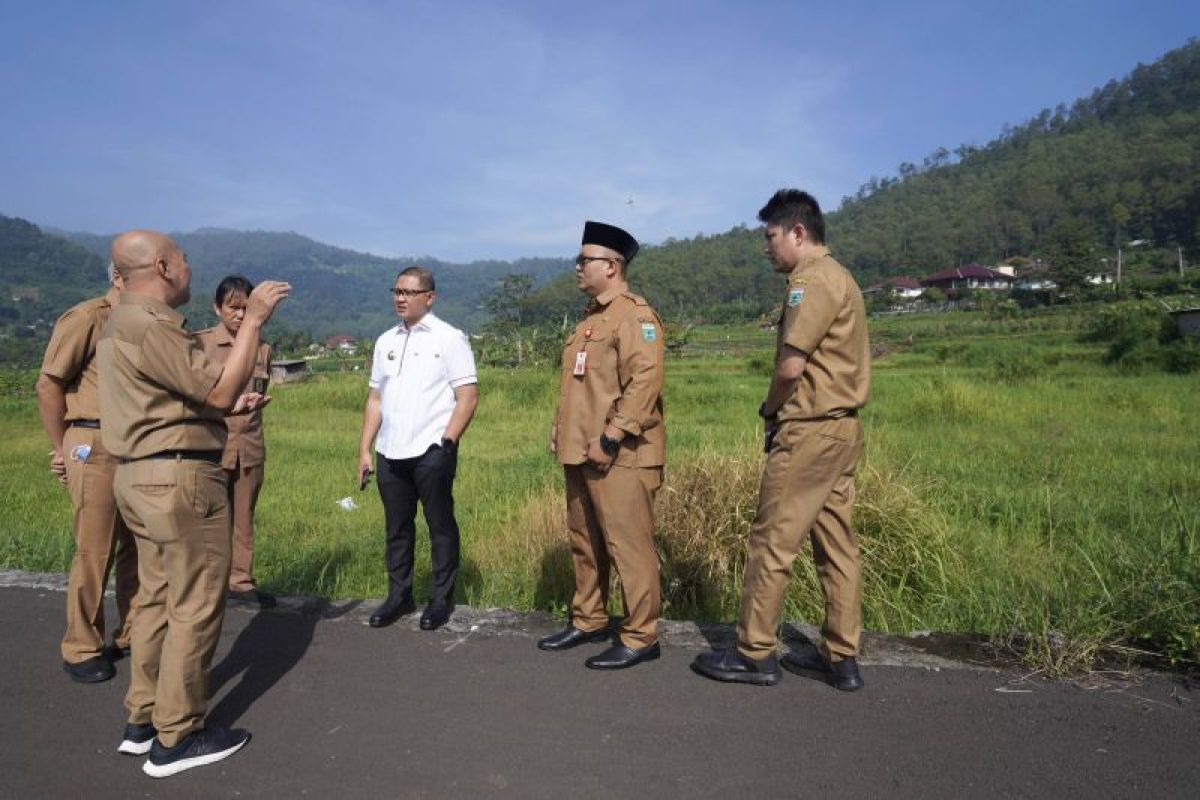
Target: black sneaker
[205, 746]
[137, 739]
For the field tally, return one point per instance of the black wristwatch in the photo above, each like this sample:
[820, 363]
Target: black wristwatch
[610, 446]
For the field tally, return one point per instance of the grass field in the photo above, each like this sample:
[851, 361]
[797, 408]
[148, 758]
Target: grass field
[1012, 483]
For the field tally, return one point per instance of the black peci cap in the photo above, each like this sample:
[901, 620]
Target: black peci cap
[610, 236]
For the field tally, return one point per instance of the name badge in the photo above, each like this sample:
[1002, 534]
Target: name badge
[580, 363]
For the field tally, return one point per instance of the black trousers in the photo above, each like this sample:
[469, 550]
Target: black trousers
[428, 478]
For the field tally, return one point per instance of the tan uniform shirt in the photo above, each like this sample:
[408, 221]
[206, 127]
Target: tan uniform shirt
[619, 381]
[244, 445]
[824, 317]
[70, 356]
[154, 378]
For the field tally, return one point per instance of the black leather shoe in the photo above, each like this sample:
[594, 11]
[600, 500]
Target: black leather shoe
[842, 674]
[436, 615]
[619, 657]
[571, 636]
[93, 670]
[733, 667]
[391, 610]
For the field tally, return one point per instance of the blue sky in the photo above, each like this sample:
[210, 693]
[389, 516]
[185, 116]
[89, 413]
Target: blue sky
[467, 130]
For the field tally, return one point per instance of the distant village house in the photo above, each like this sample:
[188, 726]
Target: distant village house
[971, 277]
[342, 344]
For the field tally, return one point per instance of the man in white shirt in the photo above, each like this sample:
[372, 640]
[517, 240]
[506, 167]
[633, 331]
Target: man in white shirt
[423, 393]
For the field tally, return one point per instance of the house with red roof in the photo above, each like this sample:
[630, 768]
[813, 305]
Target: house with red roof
[969, 278]
[901, 287]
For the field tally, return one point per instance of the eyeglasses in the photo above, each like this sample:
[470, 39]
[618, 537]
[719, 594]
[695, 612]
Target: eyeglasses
[583, 261]
[409, 292]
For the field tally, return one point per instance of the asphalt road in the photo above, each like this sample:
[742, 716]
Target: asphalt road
[340, 710]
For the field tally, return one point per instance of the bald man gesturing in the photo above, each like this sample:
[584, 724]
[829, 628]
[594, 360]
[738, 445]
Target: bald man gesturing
[163, 401]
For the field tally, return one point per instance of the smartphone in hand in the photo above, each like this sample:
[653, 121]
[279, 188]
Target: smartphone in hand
[364, 479]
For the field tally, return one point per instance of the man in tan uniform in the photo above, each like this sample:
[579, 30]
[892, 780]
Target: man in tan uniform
[245, 450]
[609, 436]
[814, 441]
[70, 411]
[162, 402]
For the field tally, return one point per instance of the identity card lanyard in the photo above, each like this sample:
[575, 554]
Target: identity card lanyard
[581, 356]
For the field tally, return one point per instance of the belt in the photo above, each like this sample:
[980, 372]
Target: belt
[852, 413]
[211, 456]
[94, 424]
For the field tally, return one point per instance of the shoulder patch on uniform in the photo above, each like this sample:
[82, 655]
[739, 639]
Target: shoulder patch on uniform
[795, 296]
[649, 331]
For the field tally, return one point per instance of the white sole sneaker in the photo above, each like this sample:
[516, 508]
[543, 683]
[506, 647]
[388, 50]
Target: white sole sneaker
[132, 748]
[175, 767]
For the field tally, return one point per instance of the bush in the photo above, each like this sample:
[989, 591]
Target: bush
[1182, 355]
[1139, 336]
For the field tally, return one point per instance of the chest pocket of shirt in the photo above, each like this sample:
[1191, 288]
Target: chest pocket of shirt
[423, 360]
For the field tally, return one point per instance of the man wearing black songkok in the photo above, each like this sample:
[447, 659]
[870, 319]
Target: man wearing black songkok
[608, 434]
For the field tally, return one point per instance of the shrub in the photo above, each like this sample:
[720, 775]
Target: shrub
[1181, 355]
[1138, 336]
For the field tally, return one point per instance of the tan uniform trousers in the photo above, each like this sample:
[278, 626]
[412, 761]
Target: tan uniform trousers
[610, 520]
[807, 487]
[102, 541]
[179, 513]
[244, 485]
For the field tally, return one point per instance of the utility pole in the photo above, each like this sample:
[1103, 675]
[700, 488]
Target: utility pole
[1179, 252]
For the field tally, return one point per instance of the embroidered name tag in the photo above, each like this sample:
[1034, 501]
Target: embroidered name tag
[649, 332]
[795, 296]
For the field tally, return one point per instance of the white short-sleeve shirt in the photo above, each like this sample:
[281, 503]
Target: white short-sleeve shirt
[416, 371]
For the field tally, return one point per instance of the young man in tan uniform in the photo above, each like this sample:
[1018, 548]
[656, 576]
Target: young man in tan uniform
[162, 402]
[70, 411]
[609, 436]
[245, 450]
[814, 441]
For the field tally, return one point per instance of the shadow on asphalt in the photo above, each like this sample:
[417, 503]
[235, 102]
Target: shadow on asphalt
[266, 650]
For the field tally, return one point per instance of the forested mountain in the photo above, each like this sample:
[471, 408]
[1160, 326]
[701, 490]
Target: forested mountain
[334, 290]
[1122, 164]
[40, 277]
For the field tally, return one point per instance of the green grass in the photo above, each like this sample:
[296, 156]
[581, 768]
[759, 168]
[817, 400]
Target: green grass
[1012, 483]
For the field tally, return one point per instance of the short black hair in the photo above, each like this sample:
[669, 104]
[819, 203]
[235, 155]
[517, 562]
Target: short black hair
[787, 207]
[232, 284]
[424, 278]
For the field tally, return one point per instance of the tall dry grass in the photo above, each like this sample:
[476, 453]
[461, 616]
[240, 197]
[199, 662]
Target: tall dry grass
[704, 512]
